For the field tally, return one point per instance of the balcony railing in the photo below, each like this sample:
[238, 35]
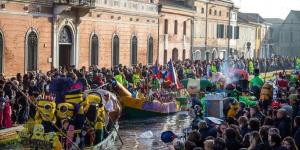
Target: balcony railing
[126, 5]
[76, 3]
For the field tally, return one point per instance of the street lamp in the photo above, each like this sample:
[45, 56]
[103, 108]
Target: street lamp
[229, 24]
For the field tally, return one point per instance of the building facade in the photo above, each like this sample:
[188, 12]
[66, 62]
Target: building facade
[247, 39]
[175, 30]
[289, 35]
[214, 27]
[262, 38]
[57, 33]
[274, 32]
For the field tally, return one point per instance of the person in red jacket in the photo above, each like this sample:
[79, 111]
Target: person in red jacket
[281, 82]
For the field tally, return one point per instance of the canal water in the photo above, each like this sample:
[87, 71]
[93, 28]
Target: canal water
[131, 131]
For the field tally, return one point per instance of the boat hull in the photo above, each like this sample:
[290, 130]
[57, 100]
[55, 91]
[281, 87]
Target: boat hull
[141, 108]
[108, 142]
[133, 113]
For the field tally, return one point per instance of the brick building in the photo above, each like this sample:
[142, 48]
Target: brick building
[38, 35]
[175, 29]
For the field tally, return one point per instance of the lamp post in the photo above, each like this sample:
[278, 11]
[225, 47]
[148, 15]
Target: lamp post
[229, 24]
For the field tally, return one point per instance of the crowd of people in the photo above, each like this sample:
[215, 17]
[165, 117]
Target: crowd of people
[273, 129]
[272, 124]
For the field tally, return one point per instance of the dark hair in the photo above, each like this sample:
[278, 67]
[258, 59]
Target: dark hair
[230, 133]
[268, 121]
[254, 124]
[188, 145]
[297, 121]
[230, 120]
[195, 137]
[219, 144]
[276, 139]
[291, 141]
[264, 132]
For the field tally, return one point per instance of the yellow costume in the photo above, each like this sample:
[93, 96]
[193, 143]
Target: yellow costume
[46, 111]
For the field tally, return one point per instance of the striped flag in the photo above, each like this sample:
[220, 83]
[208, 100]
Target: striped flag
[172, 76]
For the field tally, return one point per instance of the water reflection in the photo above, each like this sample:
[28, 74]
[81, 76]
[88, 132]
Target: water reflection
[130, 131]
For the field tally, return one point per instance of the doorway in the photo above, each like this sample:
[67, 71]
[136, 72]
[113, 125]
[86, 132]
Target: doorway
[65, 55]
[66, 48]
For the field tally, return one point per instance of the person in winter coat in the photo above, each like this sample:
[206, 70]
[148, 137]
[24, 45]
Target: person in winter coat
[295, 105]
[243, 123]
[275, 142]
[296, 132]
[282, 122]
[231, 139]
[255, 113]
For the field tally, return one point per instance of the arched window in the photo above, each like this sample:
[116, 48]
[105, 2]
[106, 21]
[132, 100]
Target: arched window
[1, 52]
[94, 50]
[166, 26]
[175, 27]
[150, 50]
[215, 12]
[220, 13]
[210, 11]
[202, 10]
[165, 56]
[183, 54]
[175, 54]
[66, 54]
[32, 50]
[134, 46]
[184, 28]
[116, 50]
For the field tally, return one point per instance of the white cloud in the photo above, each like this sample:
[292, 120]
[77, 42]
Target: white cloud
[269, 8]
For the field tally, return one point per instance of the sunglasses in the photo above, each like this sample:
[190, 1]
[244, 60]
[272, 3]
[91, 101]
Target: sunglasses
[47, 106]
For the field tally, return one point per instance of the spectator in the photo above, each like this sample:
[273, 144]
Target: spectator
[289, 143]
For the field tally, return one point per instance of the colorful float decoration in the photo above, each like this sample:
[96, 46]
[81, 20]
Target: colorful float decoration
[143, 107]
[78, 121]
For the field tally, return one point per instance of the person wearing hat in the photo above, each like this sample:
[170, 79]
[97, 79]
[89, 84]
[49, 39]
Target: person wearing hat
[256, 81]
[283, 122]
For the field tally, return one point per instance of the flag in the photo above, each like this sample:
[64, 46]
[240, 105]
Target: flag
[172, 74]
[156, 70]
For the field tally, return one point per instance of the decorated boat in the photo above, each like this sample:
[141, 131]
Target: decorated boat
[82, 120]
[143, 107]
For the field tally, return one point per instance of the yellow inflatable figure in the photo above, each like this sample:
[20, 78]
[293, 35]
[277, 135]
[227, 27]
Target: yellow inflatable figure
[53, 138]
[38, 132]
[100, 123]
[101, 114]
[74, 98]
[89, 100]
[65, 110]
[233, 109]
[24, 134]
[46, 111]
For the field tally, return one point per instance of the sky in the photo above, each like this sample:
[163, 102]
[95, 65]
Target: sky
[268, 8]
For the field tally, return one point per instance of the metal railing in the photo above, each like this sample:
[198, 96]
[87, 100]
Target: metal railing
[84, 3]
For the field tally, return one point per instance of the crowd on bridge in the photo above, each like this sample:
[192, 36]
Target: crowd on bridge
[140, 80]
